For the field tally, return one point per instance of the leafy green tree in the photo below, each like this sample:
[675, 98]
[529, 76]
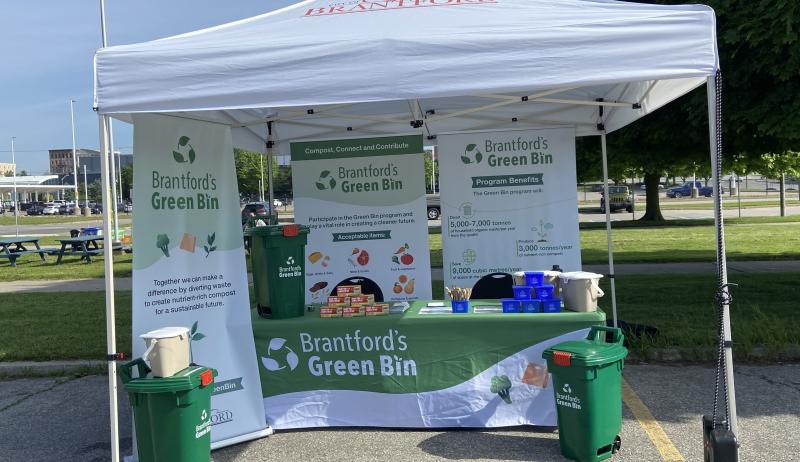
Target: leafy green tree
[127, 181]
[248, 175]
[95, 191]
[761, 97]
[429, 167]
[778, 166]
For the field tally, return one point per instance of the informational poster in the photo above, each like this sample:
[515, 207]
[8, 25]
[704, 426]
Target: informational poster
[364, 202]
[509, 203]
[188, 263]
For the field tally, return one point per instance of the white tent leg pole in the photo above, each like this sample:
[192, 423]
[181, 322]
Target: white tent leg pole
[108, 259]
[722, 265]
[270, 145]
[113, 174]
[611, 275]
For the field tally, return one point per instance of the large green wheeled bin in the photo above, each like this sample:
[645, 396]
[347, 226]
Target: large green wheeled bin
[277, 254]
[172, 415]
[587, 379]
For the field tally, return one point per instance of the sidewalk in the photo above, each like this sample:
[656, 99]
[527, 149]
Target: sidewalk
[785, 266]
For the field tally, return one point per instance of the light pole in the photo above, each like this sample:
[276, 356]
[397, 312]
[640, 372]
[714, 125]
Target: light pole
[85, 193]
[16, 204]
[74, 155]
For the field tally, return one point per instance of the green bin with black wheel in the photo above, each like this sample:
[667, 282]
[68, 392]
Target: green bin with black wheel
[587, 380]
[277, 254]
[172, 415]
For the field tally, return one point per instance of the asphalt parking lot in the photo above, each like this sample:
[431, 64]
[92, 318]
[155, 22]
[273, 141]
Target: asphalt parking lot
[66, 419]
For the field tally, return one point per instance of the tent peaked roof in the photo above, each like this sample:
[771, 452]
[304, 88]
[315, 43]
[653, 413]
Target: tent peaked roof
[373, 66]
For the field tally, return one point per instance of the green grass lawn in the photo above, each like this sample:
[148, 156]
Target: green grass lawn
[8, 219]
[727, 204]
[658, 244]
[47, 326]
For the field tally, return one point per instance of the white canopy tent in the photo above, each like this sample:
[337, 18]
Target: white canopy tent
[320, 70]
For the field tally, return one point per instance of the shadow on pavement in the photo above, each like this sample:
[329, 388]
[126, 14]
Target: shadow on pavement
[461, 444]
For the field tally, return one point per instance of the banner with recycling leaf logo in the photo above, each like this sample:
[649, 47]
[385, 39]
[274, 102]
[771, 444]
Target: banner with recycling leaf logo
[364, 201]
[188, 260]
[509, 203]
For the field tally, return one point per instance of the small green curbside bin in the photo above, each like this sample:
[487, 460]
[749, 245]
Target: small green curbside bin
[587, 379]
[277, 254]
[172, 415]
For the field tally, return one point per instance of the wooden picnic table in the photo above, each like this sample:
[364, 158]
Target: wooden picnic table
[14, 247]
[85, 246]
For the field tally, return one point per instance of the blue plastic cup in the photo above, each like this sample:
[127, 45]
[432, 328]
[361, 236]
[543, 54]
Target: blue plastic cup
[523, 292]
[534, 278]
[531, 306]
[510, 305]
[544, 291]
[552, 305]
[459, 306]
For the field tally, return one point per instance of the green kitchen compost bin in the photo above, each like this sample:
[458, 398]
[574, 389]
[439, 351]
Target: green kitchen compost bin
[172, 415]
[587, 379]
[277, 254]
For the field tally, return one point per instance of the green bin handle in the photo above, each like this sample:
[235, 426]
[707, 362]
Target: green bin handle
[125, 369]
[594, 333]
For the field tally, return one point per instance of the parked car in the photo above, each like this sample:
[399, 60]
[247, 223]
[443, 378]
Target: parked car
[128, 208]
[620, 198]
[258, 209]
[643, 187]
[277, 203]
[35, 208]
[50, 209]
[434, 202]
[685, 190]
[66, 209]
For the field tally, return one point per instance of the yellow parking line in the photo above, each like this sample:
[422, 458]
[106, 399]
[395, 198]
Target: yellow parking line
[650, 425]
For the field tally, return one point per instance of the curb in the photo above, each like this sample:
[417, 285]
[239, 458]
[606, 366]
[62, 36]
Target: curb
[19, 369]
[753, 354]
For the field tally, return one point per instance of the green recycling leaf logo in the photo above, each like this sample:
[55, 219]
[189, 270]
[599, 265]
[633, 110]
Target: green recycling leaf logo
[325, 181]
[472, 155]
[566, 389]
[279, 356]
[183, 144]
[290, 261]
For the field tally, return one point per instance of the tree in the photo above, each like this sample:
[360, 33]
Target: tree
[779, 165]
[429, 167]
[9, 173]
[95, 191]
[22, 173]
[761, 98]
[248, 175]
[127, 181]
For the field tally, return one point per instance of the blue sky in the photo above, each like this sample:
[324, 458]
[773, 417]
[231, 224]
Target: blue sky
[46, 49]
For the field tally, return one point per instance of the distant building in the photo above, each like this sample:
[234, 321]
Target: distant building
[61, 164]
[6, 169]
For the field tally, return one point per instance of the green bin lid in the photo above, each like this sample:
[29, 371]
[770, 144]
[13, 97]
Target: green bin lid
[592, 351]
[187, 379]
[291, 230]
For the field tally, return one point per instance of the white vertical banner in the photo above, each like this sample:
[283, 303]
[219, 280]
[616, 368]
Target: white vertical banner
[364, 201]
[509, 203]
[189, 265]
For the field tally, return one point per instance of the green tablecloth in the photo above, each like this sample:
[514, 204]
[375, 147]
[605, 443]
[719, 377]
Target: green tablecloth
[409, 370]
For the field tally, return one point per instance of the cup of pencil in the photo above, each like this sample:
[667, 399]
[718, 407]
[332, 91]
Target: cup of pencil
[459, 299]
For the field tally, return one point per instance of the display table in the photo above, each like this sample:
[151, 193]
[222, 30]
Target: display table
[412, 369]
